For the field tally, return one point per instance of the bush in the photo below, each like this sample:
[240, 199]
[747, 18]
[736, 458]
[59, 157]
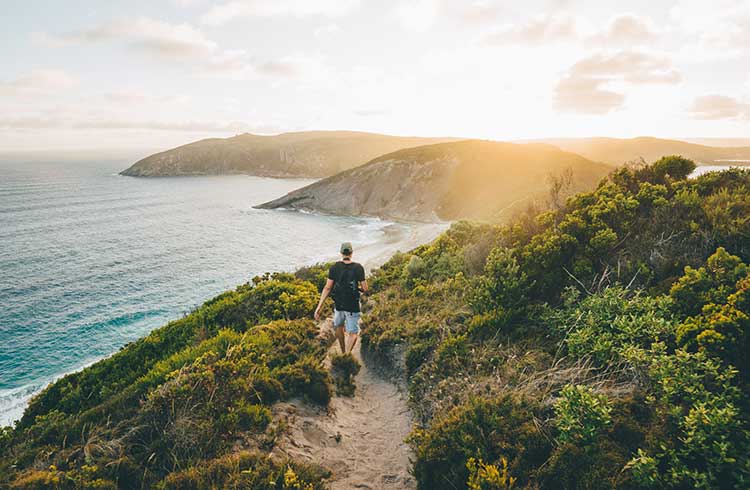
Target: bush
[245, 469]
[610, 322]
[484, 476]
[307, 379]
[712, 283]
[344, 367]
[706, 442]
[580, 415]
[414, 270]
[483, 429]
[503, 286]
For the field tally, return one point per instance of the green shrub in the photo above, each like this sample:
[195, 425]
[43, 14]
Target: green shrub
[245, 469]
[605, 324]
[414, 270]
[307, 379]
[580, 415]
[483, 476]
[503, 286]
[483, 429]
[246, 416]
[316, 274]
[707, 441]
[712, 283]
[344, 367]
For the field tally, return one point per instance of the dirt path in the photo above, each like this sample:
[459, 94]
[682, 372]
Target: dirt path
[360, 439]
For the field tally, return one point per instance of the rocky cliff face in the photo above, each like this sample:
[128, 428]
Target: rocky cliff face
[467, 179]
[393, 189]
[305, 154]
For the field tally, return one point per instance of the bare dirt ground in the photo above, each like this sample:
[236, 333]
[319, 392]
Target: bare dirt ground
[360, 439]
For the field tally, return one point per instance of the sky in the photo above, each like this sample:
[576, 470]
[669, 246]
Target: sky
[93, 75]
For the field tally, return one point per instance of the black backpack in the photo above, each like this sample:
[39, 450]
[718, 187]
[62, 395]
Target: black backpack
[345, 289]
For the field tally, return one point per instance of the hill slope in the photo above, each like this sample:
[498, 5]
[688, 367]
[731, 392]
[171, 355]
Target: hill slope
[618, 151]
[601, 345]
[463, 179]
[303, 154]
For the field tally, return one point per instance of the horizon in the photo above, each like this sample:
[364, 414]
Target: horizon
[86, 76]
[115, 153]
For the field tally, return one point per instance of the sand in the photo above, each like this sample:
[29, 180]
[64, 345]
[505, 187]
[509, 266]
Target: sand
[397, 239]
[360, 439]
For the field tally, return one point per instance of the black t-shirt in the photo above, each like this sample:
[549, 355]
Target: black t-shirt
[346, 300]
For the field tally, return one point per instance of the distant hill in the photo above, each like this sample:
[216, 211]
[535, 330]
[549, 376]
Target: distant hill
[719, 141]
[303, 154]
[618, 151]
[464, 179]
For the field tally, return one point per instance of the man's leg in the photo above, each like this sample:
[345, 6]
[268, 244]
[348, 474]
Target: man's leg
[338, 328]
[339, 333]
[352, 330]
[351, 340]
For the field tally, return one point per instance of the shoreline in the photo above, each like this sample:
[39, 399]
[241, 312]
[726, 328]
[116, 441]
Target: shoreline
[399, 237]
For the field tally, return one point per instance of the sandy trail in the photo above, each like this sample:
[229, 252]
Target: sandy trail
[360, 439]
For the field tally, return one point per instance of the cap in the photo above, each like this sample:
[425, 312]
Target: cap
[346, 247]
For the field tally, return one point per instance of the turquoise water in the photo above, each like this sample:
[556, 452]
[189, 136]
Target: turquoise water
[90, 260]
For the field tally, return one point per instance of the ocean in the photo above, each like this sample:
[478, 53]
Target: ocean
[91, 260]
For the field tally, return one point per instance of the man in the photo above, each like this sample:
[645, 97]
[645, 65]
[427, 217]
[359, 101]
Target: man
[347, 279]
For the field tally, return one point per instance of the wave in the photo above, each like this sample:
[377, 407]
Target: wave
[13, 401]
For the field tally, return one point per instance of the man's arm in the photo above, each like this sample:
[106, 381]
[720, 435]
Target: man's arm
[362, 281]
[323, 295]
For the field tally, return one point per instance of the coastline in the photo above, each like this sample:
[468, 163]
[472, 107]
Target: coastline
[398, 237]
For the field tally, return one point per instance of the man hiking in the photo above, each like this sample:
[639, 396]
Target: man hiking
[347, 279]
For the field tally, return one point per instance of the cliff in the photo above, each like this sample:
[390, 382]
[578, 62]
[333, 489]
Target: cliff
[465, 179]
[303, 154]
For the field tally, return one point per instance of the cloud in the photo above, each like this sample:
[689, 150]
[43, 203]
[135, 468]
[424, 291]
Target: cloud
[37, 122]
[586, 95]
[627, 29]
[622, 29]
[144, 34]
[327, 30]
[538, 30]
[714, 107]
[371, 112]
[417, 15]
[583, 88]
[630, 66]
[38, 82]
[421, 15]
[719, 26]
[130, 98]
[225, 12]
[478, 11]
[181, 43]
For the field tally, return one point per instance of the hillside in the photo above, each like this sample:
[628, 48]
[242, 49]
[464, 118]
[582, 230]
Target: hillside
[603, 344]
[618, 151]
[464, 179]
[303, 154]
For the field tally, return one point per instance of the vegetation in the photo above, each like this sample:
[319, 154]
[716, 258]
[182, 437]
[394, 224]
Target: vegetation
[344, 367]
[600, 344]
[188, 406]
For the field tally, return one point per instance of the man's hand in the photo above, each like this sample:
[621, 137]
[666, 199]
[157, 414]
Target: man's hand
[323, 295]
